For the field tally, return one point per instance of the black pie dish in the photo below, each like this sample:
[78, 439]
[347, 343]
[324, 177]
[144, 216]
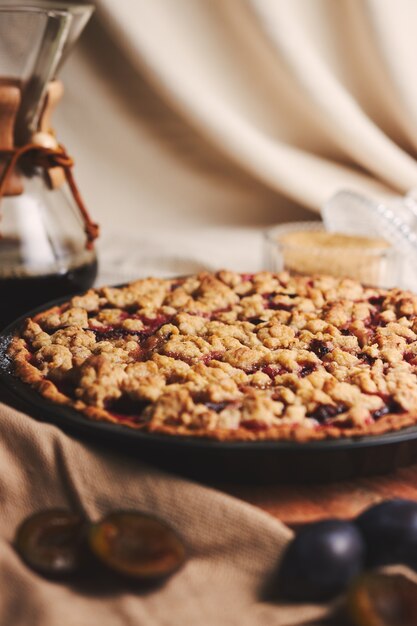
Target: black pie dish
[215, 461]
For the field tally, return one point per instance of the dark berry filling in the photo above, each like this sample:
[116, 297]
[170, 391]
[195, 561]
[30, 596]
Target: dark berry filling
[384, 410]
[391, 406]
[109, 332]
[255, 425]
[377, 301]
[376, 320]
[125, 407]
[216, 406]
[395, 407]
[320, 348]
[256, 320]
[326, 412]
[366, 358]
[307, 369]
[212, 356]
[176, 284]
[273, 370]
[410, 358]
[280, 306]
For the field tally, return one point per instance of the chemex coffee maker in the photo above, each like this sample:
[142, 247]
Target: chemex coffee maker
[46, 234]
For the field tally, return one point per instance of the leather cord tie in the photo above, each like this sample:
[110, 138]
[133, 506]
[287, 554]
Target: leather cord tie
[47, 158]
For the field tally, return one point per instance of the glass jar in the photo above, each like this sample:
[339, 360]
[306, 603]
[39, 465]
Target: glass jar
[296, 247]
[46, 235]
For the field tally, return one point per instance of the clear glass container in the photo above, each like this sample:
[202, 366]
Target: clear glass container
[394, 220]
[44, 247]
[372, 261]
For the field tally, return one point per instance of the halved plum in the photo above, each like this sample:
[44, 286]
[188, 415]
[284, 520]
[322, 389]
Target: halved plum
[137, 545]
[376, 599]
[50, 541]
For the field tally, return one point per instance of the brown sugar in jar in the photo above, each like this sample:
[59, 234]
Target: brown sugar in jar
[306, 248]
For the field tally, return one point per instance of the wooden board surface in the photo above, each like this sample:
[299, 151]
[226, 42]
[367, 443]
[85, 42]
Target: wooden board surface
[298, 504]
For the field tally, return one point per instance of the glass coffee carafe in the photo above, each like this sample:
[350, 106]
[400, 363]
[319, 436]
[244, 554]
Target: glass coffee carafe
[46, 234]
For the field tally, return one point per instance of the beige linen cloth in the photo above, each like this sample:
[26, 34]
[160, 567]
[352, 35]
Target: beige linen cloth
[233, 547]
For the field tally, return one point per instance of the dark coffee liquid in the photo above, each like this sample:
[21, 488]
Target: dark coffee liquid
[18, 295]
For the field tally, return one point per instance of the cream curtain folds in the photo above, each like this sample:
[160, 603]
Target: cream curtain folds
[303, 96]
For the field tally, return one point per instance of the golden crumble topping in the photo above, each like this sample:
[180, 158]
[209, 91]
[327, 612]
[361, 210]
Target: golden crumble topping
[231, 356]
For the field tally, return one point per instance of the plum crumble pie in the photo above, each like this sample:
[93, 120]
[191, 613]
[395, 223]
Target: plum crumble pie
[230, 356]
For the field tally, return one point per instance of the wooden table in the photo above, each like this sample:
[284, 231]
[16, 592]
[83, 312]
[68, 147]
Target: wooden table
[298, 504]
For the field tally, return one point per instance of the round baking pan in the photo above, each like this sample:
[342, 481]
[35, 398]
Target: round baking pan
[215, 461]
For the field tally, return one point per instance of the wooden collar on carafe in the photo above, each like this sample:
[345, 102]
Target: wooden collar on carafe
[42, 147]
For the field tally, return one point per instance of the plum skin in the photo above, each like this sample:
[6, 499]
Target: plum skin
[390, 532]
[321, 561]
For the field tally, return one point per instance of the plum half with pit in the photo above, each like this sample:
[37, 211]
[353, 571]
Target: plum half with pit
[321, 561]
[137, 546]
[390, 532]
[50, 541]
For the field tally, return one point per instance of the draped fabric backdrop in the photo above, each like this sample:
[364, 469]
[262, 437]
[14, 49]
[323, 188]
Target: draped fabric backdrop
[183, 113]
